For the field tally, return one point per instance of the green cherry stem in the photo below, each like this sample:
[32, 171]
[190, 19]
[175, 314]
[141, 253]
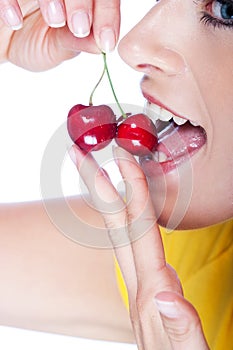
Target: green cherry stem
[93, 91]
[111, 85]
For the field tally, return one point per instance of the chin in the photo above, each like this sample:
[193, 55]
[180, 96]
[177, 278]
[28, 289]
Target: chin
[176, 223]
[195, 217]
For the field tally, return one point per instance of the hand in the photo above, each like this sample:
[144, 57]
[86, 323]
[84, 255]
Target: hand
[45, 33]
[161, 317]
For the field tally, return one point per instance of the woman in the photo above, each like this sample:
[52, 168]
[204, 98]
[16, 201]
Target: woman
[185, 78]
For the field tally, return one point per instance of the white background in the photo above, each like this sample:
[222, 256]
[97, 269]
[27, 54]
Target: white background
[32, 107]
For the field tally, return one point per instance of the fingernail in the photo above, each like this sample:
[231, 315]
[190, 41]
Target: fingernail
[120, 152]
[77, 155]
[167, 308]
[114, 152]
[104, 172]
[12, 18]
[56, 16]
[107, 40]
[72, 155]
[80, 24]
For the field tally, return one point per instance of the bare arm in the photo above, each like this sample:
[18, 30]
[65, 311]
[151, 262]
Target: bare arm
[50, 283]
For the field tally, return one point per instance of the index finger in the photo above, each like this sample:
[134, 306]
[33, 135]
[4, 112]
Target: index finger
[114, 216]
[144, 233]
[106, 23]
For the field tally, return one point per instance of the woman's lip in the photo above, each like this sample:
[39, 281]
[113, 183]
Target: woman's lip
[153, 100]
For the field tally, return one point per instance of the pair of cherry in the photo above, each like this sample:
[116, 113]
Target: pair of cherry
[94, 127]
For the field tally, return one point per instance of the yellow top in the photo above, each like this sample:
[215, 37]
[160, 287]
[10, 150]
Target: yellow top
[203, 259]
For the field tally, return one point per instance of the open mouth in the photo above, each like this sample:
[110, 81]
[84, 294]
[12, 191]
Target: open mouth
[179, 138]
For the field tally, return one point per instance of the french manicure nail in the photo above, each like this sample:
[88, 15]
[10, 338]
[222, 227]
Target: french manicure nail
[167, 308]
[107, 40]
[12, 18]
[80, 24]
[72, 155]
[56, 16]
[121, 152]
[77, 155]
[114, 152]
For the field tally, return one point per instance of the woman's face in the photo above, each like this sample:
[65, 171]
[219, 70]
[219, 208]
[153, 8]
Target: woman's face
[185, 50]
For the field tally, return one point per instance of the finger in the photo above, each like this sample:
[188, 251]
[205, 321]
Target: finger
[79, 17]
[104, 195]
[181, 322]
[115, 218]
[53, 12]
[106, 201]
[146, 240]
[112, 208]
[109, 203]
[147, 248]
[106, 24]
[11, 14]
[116, 227]
[69, 45]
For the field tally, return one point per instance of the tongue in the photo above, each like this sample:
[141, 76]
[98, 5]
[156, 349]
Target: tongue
[177, 141]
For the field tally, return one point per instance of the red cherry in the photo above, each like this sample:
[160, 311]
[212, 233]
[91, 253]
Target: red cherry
[91, 127]
[137, 134]
[76, 109]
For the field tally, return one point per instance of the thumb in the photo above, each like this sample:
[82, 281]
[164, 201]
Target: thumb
[181, 322]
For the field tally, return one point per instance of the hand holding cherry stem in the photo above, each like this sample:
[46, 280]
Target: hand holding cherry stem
[94, 127]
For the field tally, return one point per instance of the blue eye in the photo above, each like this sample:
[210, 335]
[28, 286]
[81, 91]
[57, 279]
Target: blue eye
[218, 13]
[222, 10]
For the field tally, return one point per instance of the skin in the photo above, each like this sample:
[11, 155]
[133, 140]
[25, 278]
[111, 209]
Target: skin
[184, 61]
[195, 55]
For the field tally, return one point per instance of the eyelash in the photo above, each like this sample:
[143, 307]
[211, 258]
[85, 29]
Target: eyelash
[208, 19]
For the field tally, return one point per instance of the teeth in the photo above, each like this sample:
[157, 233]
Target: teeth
[160, 157]
[179, 121]
[158, 113]
[153, 111]
[193, 123]
[165, 116]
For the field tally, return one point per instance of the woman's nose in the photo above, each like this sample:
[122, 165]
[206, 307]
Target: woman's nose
[152, 47]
